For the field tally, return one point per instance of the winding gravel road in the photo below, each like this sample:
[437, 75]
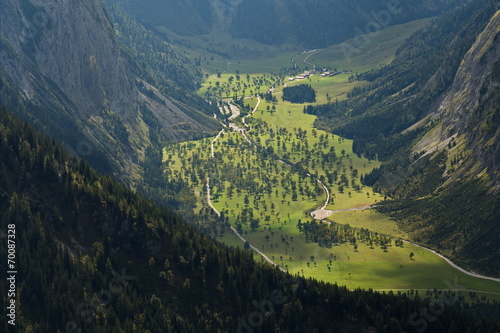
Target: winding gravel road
[322, 214]
[236, 231]
[319, 214]
[235, 113]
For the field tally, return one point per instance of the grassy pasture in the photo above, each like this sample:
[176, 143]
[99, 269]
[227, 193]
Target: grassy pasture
[369, 219]
[227, 85]
[337, 87]
[290, 117]
[251, 184]
[364, 267]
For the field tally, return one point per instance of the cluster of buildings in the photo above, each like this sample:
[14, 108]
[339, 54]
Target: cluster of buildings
[324, 73]
[327, 72]
[302, 76]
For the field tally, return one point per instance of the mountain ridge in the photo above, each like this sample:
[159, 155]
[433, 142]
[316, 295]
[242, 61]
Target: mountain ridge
[476, 81]
[276, 22]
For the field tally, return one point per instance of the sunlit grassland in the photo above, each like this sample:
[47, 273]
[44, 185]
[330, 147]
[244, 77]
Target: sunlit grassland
[252, 173]
[369, 219]
[227, 85]
[235, 163]
[365, 267]
[337, 87]
[291, 117]
[285, 213]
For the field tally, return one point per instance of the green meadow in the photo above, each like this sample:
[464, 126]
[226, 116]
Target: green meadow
[266, 187]
[243, 179]
[369, 219]
[368, 268]
[225, 86]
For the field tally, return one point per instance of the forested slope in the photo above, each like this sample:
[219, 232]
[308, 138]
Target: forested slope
[308, 23]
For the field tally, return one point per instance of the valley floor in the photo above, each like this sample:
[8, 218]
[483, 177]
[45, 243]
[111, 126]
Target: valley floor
[252, 190]
[293, 193]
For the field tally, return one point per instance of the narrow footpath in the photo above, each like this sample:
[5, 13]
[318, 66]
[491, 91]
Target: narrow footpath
[452, 264]
[236, 231]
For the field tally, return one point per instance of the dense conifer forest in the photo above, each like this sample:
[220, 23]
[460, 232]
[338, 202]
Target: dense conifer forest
[303, 93]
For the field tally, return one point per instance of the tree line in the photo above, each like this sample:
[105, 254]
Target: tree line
[302, 93]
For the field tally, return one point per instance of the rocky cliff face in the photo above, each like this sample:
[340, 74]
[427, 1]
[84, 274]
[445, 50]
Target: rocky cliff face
[75, 50]
[470, 111]
[471, 108]
[462, 215]
[62, 56]
[225, 9]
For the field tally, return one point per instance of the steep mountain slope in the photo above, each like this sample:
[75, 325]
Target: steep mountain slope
[432, 116]
[471, 109]
[161, 63]
[307, 23]
[63, 68]
[322, 23]
[468, 141]
[92, 256]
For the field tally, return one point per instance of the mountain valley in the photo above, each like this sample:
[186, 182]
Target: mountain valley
[250, 166]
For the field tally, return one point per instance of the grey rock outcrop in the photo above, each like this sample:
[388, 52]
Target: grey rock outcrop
[79, 84]
[470, 108]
